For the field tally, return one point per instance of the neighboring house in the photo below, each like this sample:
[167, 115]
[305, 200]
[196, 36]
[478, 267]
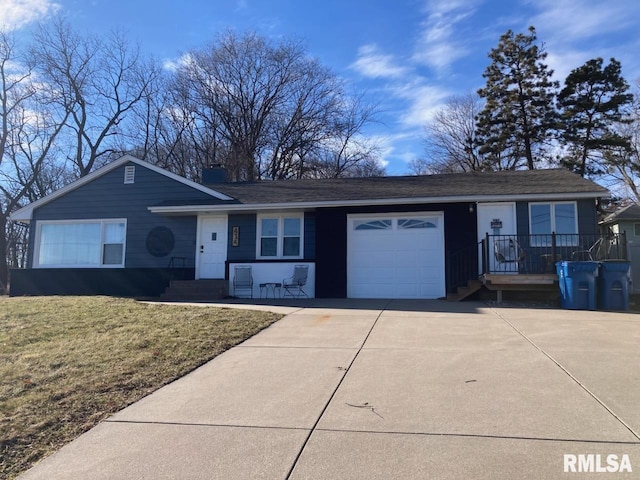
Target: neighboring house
[130, 227]
[627, 221]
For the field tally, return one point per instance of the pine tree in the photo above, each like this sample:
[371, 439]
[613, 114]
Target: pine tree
[593, 101]
[519, 116]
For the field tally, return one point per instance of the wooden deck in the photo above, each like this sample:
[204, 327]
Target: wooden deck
[520, 282]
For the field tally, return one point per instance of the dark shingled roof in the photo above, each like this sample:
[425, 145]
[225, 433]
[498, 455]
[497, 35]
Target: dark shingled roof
[632, 212]
[472, 184]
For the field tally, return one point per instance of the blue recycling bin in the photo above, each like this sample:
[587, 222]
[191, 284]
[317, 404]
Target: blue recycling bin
[577, 281]
[615, 277]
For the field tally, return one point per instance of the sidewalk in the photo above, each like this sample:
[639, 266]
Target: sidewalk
[380, 390]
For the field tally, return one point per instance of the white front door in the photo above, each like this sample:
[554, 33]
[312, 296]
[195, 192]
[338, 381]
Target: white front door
[212, 247]
[496, 219]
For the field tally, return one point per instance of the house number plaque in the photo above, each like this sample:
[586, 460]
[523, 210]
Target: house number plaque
[235, 236]
[496, 223]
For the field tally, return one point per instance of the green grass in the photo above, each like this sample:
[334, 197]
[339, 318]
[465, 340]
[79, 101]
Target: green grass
[66, 363]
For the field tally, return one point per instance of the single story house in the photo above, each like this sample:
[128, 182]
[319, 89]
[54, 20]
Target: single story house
[130, 227]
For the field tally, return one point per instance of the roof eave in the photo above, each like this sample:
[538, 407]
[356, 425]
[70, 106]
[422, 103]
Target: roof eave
[194, 209]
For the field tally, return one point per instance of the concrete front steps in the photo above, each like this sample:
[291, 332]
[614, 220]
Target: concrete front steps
[195, 290]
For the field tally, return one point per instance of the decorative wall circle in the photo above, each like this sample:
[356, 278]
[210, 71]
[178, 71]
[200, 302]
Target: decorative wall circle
[160, 241]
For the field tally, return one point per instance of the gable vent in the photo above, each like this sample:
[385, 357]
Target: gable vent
[129, 174]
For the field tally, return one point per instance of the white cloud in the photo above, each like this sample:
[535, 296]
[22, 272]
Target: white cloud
[18, 13]
[372, 63]
[575, 20]
[423, 101]
[173, 65]
[439, 44]
[575, 31]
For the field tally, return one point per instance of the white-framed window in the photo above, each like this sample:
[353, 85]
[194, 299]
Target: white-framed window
[280, 236]
[80, 243]
[559, 217]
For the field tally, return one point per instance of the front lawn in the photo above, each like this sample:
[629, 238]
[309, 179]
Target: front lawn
[66, 363]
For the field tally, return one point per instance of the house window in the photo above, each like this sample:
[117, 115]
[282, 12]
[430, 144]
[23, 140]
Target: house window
[280, 236]
[93, 243]
[558, 217]
[636, 229]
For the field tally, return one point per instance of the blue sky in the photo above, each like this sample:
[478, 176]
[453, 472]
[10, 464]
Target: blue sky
[408, 56]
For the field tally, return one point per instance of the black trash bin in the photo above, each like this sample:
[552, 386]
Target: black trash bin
[615, 277]
[577, 281]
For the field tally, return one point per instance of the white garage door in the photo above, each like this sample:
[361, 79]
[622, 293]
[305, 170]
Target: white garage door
[396, 256]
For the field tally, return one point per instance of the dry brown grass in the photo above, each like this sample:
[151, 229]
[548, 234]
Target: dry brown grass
[66, 363]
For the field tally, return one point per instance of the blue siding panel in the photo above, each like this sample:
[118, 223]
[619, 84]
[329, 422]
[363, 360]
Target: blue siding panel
[108, 197]
[310, 236]
[522, 218]
[246, 249]
[460, 231]
[587, 217]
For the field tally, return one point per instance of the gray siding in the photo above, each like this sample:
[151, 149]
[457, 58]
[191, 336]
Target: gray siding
[246, 249]
[628, 226]
[108, 197]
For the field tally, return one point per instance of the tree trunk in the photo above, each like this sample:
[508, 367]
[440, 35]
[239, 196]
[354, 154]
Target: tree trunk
[4, 251]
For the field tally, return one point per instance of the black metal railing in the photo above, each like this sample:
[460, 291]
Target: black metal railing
[462, 266]
[538, 254]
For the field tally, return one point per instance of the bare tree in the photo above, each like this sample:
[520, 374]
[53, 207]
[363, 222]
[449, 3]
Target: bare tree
[99, 80]
[450, 138]
[347, 152]
[28, 130]
[263, 109]
[622, 163]
[419, 166]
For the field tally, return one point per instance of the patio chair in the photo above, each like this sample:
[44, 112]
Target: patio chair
[293, 285]
[590, 254]
[508, 254]
[243, 281]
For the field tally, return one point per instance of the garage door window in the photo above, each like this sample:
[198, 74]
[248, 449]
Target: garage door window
[372, 225]
[410, 223]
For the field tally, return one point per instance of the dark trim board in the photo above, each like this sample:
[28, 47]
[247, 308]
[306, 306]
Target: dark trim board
[120, 282]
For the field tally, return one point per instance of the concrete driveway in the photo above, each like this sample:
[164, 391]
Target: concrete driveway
[389, 389]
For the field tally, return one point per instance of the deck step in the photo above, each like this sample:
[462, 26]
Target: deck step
[465, 291]
[195, 290]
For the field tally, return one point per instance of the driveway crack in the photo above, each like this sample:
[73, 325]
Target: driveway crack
[569, 374]
[333, 394]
